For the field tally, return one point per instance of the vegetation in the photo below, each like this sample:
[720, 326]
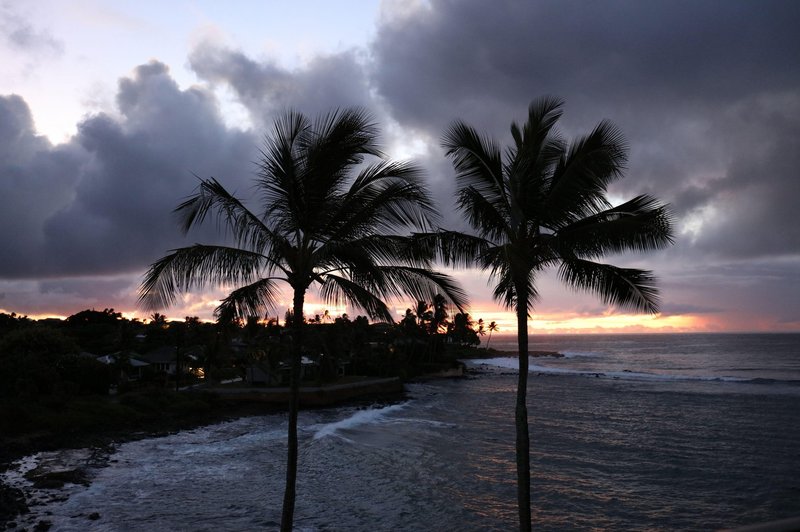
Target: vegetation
[539, 204]
[320, 225]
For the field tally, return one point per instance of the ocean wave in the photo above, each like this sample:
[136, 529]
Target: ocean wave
[580, 354]
[511, 363]
[360, 417]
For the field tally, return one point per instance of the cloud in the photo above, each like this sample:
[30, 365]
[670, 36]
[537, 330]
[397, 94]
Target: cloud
[22, 36]
[36, 181]
[756, 204]
[101, 203]
[703, 91]
[266, 89]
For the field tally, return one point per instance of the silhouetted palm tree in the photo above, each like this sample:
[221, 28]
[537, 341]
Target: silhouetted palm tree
[492, 328]
[542, 203]
[158, 320]
[321, 226]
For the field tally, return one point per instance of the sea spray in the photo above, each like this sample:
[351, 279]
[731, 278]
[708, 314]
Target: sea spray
[360, 417]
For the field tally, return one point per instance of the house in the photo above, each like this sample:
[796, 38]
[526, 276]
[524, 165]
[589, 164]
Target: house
[262, 374]
[132, 367]
[163, 359]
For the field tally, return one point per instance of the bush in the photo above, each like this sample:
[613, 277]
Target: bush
[37, 362]
[88, 376]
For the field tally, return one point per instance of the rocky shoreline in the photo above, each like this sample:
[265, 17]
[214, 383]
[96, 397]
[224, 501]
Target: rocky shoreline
[73, 459]
[47, 478]
[47, 464]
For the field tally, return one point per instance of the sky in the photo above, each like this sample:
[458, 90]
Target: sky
[109, 109]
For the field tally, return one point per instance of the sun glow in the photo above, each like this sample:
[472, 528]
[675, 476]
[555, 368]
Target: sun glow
[571, 323]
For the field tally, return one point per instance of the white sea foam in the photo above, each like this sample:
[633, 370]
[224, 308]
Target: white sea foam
[580, 354]
[500, 362]
[361, 417]
[513, 364]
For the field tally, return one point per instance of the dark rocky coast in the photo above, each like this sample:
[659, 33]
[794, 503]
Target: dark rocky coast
[74, 454]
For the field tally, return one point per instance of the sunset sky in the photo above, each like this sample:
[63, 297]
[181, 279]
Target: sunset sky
[107, 109]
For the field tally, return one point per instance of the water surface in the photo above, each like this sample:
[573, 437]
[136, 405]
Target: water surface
[695, 445]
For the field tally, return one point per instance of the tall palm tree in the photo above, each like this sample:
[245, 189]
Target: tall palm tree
[325, 221]
[492, 328]
[542, 203]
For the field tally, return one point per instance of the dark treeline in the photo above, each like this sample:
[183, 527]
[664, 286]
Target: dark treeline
[93, 352]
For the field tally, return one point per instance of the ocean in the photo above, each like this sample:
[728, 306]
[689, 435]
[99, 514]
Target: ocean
[628, 432]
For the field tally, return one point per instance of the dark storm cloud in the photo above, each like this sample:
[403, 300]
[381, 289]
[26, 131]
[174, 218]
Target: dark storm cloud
[102, 203]
[90, 292]
[140, 167]
[36, 181]
[707, 94]
[452, 57]
[267, 89]
[757, 202]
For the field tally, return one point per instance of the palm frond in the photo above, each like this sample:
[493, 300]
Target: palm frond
[641, 224]
[369, 252]
[503, 270]
[537, 147]
[193, 267]
[338, 290]
[384, 197]
[247, 229]
[420, 284]
[488, 220]
[256, 299]
[477, 162]
[282, 167]
[344, 137]
[543, 114]
[453, 248]
[623, 287]
[582, 176]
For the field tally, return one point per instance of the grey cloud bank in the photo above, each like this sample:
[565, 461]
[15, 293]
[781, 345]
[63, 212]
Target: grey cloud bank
[707, 93]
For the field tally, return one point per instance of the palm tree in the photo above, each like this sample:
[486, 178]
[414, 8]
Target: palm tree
[158, 320]
[542, 203]
[492, 328]
[321, 225]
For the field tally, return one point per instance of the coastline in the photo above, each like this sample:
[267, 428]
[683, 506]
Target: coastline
[99, 445]
[220, 404]
[80, 453]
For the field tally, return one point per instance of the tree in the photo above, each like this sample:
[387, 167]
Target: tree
[461, 330]
[320, 225]
[492, 328]
[539, 204]
[158, 320]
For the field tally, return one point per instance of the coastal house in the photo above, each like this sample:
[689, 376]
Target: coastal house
[263, 374]
[131, 366]
[164, 359]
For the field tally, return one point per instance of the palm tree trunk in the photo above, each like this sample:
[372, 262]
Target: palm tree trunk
[521, 419]
[287, 516]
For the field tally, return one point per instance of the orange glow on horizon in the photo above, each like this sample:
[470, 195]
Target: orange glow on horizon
[608, 322]
[571, 323]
